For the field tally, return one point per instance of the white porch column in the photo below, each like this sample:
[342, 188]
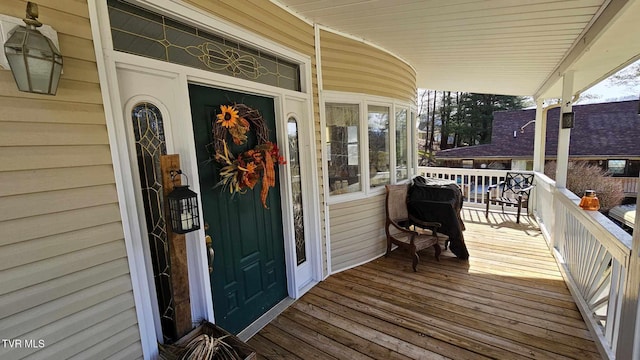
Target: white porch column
[540, 137]
[629, 340]
[564, 135]
[562, 160]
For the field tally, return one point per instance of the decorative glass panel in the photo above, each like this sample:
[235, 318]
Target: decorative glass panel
[378, 145]
[148, 130]
[138, 31]
[402, 147]
[296, 187]
[343, 147]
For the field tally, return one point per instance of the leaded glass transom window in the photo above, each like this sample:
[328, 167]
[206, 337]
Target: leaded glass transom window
[148, 130]
[141, 32]
[296, 187]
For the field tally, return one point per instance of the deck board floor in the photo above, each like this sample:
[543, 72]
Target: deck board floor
[507, 302]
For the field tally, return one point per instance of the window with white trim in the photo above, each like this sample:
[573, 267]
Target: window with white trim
[343, 147]
[402, 144]
[378, 136]
[616, 167]
[368, 142]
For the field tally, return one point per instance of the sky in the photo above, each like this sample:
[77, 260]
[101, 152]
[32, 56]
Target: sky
[607, 90]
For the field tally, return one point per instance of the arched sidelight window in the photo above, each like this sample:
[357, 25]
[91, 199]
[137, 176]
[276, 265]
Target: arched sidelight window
[296, 186]
[148, 130]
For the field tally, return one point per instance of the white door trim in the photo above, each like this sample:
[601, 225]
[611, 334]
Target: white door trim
[117, 139]
[183, 143]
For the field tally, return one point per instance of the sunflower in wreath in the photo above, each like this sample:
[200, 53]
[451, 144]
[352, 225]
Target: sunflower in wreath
[241, 172]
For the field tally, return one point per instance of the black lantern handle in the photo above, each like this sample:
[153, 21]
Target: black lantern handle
[176, 173]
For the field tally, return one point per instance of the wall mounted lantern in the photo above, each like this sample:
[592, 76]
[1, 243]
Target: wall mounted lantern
[183, 207]
[35, 61]
[568, 119]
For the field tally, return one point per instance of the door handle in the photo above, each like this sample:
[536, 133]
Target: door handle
[210, 252]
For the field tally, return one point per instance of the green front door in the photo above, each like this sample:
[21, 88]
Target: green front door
[249, 268]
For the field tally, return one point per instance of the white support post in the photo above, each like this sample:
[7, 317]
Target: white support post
[564, 135]
[540, 138]
[628, 346]
[562, 160]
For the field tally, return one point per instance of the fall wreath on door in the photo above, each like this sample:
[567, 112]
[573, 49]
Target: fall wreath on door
[241, 171]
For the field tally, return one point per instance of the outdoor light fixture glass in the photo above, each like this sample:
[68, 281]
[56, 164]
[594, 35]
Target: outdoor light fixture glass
[35, 61]
[568, 120]
[183, 208]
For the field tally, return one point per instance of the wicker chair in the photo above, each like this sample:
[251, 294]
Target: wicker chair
[405, 231]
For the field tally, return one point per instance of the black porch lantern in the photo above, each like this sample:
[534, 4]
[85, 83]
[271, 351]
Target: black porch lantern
[568, 120]
[183, 209]
[35, 62]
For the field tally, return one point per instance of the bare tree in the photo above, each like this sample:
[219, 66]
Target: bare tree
[629, 76]
[433, 121]
[445, 118]
[423, 113]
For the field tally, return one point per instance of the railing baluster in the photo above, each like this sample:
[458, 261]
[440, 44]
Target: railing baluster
[602, 261]
[588, 266]
[600, 286]
[614, 312]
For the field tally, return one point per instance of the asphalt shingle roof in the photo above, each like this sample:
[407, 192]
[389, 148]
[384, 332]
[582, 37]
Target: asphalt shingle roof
[601, 130]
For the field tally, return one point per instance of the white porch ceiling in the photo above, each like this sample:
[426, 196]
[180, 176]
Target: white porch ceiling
[515, 47]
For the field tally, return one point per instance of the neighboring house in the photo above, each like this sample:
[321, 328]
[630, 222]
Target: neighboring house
[606, 134]
[85, 266]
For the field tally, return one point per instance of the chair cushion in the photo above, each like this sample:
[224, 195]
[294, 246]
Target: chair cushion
[422, 231]
[423, 242]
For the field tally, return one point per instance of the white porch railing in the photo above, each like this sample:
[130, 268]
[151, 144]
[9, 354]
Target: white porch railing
[629, 185]
[542, 204]
[474, 182]
[592, 252]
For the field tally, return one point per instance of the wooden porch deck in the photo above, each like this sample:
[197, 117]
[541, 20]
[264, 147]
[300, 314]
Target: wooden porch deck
[508, 301]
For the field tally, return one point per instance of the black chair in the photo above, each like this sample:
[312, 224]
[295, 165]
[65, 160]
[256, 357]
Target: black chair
[513, 191]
